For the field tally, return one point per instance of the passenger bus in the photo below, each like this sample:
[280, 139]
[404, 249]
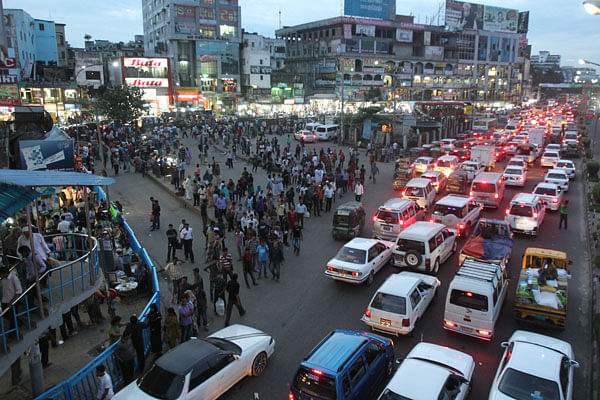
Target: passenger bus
[484, 126]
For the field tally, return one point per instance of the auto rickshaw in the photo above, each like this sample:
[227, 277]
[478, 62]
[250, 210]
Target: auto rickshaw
[348, 220]
[404, 171]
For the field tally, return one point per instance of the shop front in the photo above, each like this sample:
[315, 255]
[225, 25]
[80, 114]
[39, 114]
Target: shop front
[153, 76]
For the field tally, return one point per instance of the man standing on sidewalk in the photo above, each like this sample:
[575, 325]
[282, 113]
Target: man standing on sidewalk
[155, 216]
[329, 191]
[187, 237]
[564, 214]
[358, 190]
[171, 242]
[233, 289]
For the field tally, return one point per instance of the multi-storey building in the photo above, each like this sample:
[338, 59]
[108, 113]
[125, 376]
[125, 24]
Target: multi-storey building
[202, 38]
[256, 65]
[545, 59]
[20, 29]
[45, 42]
[61, 45]
[405, 60]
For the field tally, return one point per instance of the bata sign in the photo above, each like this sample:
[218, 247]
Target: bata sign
[145, 62]
[147, 82]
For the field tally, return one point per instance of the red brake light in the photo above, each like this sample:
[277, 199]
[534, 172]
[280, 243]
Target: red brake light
[484, 332]
[461, 226]
[507, 211]
[404, 193]
[450, 324]
[368, 313]
[291, 396]
[317, 372]
[355, 274]
[374, 218]
[405, 322]
[431, 220]
[496, 195]
[470, 193]
[555, 200]
[535, 215]
[401, 222]
[469, 294]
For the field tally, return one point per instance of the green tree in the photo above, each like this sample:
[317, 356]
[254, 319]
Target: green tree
[373, 94]
[123, 103]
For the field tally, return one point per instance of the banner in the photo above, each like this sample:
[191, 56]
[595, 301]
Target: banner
[185, 12]
[434, 52]
[9, 95]
[365, 30]
[523, 24]
[497, 19]
[347, 31]
[404, 36]
[380, 9]
[185, 27]
[47, 154]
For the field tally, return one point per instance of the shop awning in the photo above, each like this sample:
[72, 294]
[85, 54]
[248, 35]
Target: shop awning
[51, 178]
[14, 198]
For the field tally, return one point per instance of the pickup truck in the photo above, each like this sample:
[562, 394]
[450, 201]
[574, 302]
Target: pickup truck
[491, 241]
[542, 288]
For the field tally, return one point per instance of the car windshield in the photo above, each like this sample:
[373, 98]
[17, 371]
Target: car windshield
[445, 163]
[160, 383]
[354, 256]
[550, 155]
[389, 395]
[484, 187]
[521, 210]
[442, 210]
[390, 303]
[522, 386]
[225, 345]
[469, 300]
[564, 165]
[513, 171]
[517, 163]
[414, 191]
[407, 244]
[556, 176]
[545, 191]
[318, 385]
[389, 217]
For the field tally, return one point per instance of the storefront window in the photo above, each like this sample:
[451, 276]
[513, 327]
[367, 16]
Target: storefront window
[207, 31]
[227, 30]
[230, 60]
[208, 68]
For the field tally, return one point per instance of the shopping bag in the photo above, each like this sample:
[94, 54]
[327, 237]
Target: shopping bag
[220, 305]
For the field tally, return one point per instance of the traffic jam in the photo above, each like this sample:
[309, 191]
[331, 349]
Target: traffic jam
[461, 205]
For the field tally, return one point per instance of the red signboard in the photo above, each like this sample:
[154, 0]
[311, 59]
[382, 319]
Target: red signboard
[9, 62]
[188, 96]
[145, 62]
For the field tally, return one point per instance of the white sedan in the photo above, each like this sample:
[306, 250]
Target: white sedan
[359, 260]
[305, 136]
[203, 369]
[515, 176]
[431, 371]
[568, 166]
[400, 301]
[550, 193]
[534, 366]
[558, 177]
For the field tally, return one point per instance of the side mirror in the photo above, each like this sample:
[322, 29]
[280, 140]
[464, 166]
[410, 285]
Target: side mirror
[573, 363]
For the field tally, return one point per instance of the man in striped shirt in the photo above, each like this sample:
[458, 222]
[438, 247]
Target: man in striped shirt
[226, 263]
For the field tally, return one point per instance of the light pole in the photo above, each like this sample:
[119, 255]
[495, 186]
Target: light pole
[592, 7]
[583, 62]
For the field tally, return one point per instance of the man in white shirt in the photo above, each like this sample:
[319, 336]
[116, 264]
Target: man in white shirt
[358, 190]
[187, 236]
[105, 387]
[328, 192]
[41, 248]
[300, 211]
[63, 225]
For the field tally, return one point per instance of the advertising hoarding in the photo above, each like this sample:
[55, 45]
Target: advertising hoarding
[347, 31]
[380, 9]
[404, 36]
[9, 95]
[434, 52]
[365, 30]
[184, 27]
[158, 62]
[147, 82]
[523, 24]
[462, 15]
[185, 12]
[47, 154]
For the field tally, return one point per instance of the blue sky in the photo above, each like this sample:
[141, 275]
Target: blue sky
[560, 26]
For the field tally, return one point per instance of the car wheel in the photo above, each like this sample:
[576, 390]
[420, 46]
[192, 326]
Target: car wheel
[259, 364]
[412, 258]
[370, 278]
[436, 267]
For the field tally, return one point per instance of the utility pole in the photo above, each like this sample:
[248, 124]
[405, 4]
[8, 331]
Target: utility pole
[340, 67]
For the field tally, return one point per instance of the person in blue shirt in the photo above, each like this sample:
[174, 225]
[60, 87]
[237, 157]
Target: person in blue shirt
[262, 252]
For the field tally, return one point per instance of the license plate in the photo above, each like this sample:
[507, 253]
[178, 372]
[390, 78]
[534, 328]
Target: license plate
[465, 329]
[387, 228]
[385, 322]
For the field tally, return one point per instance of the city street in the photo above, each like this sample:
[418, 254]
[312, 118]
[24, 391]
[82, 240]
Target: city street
[306, 305]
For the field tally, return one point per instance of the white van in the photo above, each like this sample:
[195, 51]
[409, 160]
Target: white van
[424, 246]
[394, 216]
[312, 126]
[488, 189]
[327, 132]
[420, 190]
[525, 213]
[475, 297]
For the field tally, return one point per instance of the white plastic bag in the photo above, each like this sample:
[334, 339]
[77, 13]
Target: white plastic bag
[220, 305]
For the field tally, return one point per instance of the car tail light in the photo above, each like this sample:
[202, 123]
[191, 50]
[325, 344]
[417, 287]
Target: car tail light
[507, 211]
[469, 294]
[368, 313]
[496, 195]
[374, 218]
[427, 262]
[405, 322]
[535, 215]
[291, 396]
[431, 220]
[401, 222]
[355, 274]
[404, 193]
[470, 193]
[317, 372]
[461, 226]
[450, 324]
[555, 200]
[520, 178]
[483, 332]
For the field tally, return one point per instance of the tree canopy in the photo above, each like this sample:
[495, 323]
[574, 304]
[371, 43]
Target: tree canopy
[123, 103]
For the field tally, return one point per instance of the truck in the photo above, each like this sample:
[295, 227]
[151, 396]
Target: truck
[536, 136]
[485, 155]
[404, 171]
[542, 288]
[491, 241]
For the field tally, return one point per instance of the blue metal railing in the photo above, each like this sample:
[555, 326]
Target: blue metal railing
[83, 384]
[74, 276]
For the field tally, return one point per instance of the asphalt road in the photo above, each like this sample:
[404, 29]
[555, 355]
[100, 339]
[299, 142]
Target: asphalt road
[306, 305]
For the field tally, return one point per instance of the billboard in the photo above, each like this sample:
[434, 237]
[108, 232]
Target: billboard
[9, 95]
[185, 12]
[365, 30]
[462, 15]
[523, 24]
[47, 154]
[380, 9]
[404, 36]
[185, 27]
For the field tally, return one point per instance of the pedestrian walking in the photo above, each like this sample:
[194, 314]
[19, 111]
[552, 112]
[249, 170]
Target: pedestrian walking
[374, 172]
[226, 263]
[175, 274]
[329, 193]
[187, 237]
[276, 260]
[186, 319]
[301, 210]
[248, 268]
[358, 190]
[201, 305]
[155, 215]
[135, 329]
[296, 238]
[172, 242]
[125, 358]
[171, 328]
[220, 285]
[104, 386]
[563, 214]
[155, 324]
[233, 290]
[262, 257]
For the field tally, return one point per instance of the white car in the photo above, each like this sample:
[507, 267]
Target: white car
[431, 371]
[559, 177]
[359, 260]
[554, 147]
[549, 159]
[305, 136]
[423, 164]
[550, 193]
[568, 166]
[400, 301]
[203, 369]
[534, 366]
[515, 176]
[517, 162]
